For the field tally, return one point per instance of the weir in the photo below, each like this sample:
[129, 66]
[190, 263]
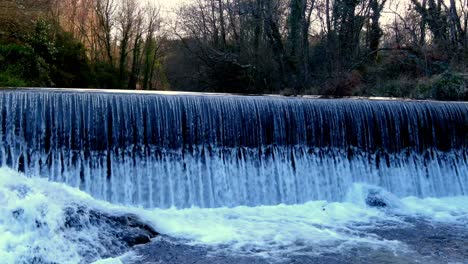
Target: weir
[184, 150]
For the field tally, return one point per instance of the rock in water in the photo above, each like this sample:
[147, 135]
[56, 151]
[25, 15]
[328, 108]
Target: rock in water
[372, 196]
[49, 223]
[116, 233]
[130, 229]
[375, 199]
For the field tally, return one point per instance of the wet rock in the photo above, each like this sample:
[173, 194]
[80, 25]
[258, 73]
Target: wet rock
[372, 196]
[116, 234]
[376, 199]
[74, 217]
[131, 230]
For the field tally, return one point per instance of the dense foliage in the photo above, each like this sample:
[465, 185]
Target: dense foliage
[416, 49]
[45, 56]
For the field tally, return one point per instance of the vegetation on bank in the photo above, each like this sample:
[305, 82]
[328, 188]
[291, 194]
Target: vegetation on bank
[416, 49]
[42, 58]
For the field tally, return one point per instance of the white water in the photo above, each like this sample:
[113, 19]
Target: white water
[159, 151]
[243, 230]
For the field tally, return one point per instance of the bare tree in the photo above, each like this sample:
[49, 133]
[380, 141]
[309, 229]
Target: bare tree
[105, 23]
[126, 25]
[151, 50]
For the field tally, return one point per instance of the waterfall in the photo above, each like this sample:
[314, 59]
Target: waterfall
[184, 150]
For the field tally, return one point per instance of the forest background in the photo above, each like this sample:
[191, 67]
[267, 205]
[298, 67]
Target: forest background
[396, 48]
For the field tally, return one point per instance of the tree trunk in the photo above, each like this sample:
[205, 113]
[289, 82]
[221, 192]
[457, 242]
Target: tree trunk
[221, 22]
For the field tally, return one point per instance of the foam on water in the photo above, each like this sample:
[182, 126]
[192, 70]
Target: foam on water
[36, 225]
[448, 209]
[31, 217]
[32, 222]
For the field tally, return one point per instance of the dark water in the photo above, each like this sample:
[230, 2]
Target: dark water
[420, 241]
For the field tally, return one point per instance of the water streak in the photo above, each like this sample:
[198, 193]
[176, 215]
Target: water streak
[158, 150]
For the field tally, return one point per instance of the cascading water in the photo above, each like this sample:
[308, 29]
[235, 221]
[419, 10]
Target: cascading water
[156, 150]
[354, 178]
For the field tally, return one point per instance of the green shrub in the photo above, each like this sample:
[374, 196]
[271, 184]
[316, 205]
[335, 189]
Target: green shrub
[45, 56]
[17, 58]
[70, 67]
[423, 88]
[400, 87]
[448, 86]
[8, 80]
[22, 62]
[105, 76]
